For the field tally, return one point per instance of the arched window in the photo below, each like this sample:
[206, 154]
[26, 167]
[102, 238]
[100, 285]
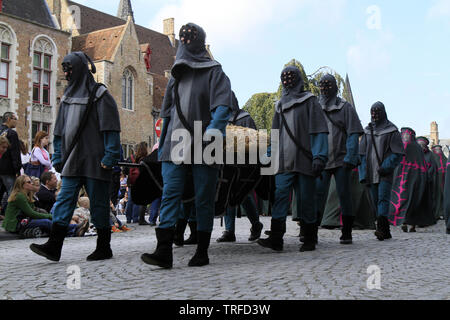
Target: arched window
[6, 41]
[42, 71]
[127, 90]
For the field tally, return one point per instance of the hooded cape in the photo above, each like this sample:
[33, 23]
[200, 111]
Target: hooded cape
[202, 86]
[342, 122]
[410, 196]
[304, 117]
[86, 157]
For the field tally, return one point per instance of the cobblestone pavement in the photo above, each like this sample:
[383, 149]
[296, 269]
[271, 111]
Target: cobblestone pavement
[412, 266]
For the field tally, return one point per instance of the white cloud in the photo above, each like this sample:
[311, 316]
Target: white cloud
[439, 10]
[371, 52]
[234, 22]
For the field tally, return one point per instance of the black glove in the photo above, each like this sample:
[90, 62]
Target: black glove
[58, 167]
[383, 172]
[348, 166]
[317, 167]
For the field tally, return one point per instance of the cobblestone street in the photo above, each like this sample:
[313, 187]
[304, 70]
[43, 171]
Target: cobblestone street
[413, 266]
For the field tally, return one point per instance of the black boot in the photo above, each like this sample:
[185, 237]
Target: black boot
[309, 244]
[142, 221]
[193, 236]
[178, 238]
[382, 223]
[162, 257]
[103, 250]
[255, 231]
[227, 236]
[347, 227]
[316, 233]
[52, 248]
[275, 239]
[200, 257]
[302, 232]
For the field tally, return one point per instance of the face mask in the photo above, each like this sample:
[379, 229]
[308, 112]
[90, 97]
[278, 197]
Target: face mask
[423, 144]
[192, 38]
[328, 86]
[67, 69]
[289, 79]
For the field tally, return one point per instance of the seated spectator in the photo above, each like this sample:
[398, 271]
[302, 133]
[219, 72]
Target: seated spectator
[82, 213]
[116, 224]
[122, 204]
[21, 214]
[47, 191]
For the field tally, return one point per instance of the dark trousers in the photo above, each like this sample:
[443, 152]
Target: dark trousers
[343, 188]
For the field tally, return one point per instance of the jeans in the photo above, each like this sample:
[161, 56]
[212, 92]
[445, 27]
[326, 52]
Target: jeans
[46, 226]
[98, 193]
[304, 187]
[174, 177]
[250, 209]
[381, 194]
[131, 210]
[8, 182]
[343, 188]
[154, 210]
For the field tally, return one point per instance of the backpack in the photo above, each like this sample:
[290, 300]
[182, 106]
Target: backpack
[133, 174]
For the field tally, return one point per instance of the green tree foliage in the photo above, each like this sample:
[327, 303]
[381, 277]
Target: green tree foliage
[261, 106]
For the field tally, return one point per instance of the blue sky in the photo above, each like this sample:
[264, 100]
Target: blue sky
[397, 52]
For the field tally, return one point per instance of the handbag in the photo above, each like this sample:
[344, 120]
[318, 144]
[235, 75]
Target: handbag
[33, 169]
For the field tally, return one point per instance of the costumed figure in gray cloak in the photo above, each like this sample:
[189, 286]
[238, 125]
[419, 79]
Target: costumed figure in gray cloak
[410, 197]
[302, 154]
[344, 129]
[197, 103]
[87, 147]
[381, 151]
[241, 118]
[433, 176]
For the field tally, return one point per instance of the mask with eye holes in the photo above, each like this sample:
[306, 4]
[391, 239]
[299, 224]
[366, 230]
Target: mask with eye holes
[328, 86]
[76, 70]
[193, 37]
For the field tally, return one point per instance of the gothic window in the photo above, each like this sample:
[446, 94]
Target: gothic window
[6, 40]
[42, 71]
[127, 90]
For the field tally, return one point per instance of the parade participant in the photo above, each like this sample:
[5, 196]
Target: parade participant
[447, 198]
[302, 154]
[381, 150]
[433, 176]
[186, 216]
[199, 91]
[410, 198]
[87, 146]
[343, 153]
[441, 160]
[243, 119]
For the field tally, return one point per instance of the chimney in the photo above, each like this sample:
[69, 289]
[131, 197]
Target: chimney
[169, 29]
[434, 134]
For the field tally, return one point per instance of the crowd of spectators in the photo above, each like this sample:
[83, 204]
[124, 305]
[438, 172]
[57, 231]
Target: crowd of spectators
[29, 187]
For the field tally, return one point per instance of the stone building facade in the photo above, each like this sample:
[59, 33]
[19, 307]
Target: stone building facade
[32, 49]
[131, 60]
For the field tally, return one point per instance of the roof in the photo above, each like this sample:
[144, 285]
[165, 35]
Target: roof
[31, 10]
[163, 53]
[99, 45]
[159, 89]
